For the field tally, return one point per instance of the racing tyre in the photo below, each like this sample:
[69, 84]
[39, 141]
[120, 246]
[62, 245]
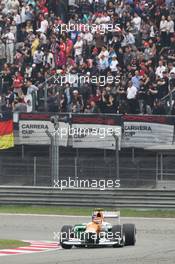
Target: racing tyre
[79, 246]
[129, 231]
[65, 234]
[117, 235]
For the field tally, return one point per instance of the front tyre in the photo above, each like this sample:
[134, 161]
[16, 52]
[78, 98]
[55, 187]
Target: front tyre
[65, 234]
[129, 231]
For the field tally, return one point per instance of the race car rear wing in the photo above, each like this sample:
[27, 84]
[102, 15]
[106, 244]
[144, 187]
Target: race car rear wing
[108, 214]
[111, 214]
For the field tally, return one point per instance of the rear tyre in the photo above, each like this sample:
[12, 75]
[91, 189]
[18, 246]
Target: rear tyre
[79, 246]
[65, 234]
[117, 233]
[129, 231]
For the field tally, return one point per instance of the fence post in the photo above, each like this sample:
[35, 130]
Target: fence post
[76, 168]
[22, 151]
[104, 153]
[133, 155]
[157, 167]
[117, 156]
[161, 166]
[45, 95]
[34, 171]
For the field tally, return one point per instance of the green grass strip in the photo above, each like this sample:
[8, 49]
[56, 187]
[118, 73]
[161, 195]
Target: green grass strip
[8, 244]
[54, 210]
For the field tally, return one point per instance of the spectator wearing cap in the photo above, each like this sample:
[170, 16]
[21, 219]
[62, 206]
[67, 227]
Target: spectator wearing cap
[147, 51]
[77, 103]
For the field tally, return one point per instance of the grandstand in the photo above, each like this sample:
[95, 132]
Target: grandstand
[94, 65]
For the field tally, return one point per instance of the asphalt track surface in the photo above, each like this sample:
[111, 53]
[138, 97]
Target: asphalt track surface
[155, 241]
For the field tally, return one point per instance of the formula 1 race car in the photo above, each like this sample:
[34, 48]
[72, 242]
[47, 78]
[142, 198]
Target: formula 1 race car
[98, 233]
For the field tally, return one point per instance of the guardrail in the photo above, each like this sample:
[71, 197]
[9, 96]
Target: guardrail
[118, 198]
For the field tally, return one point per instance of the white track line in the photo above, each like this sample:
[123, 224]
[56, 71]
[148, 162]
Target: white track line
[81, 216]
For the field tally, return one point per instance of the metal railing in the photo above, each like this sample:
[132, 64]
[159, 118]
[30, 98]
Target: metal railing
[37, 171]
[116, 199]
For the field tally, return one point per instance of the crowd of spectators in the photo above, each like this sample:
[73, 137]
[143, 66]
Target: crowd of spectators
[123, 49]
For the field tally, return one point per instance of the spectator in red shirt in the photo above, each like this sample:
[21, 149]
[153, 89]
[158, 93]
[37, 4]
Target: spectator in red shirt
[69, 46]
[62, 54]
[42, 7]
[18, 83]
